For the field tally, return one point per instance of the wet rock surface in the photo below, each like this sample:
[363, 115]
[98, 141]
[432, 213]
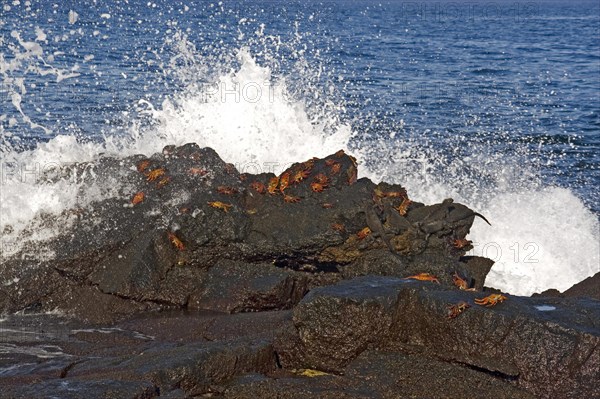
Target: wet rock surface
[194, 280]
[381, 374]
[588, 288]
[550, 347]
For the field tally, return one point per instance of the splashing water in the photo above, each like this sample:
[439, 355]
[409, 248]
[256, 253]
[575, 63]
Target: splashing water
[541, 237]
[248, 117]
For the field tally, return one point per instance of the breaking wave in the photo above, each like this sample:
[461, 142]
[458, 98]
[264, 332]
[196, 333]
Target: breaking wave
[541, 236]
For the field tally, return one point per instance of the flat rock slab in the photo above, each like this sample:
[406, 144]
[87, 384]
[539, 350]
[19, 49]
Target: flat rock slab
[549, 347]
[385, 375]
[73, 389]
[191, 353]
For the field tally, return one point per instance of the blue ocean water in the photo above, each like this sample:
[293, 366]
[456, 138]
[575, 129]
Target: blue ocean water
[478, 99]
[523, 74]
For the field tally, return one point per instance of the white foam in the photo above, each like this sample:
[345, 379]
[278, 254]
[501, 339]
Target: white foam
[541, 237]
[247, 116]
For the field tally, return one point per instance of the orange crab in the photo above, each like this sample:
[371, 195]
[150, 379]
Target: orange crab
[226, 190]
[338, 227]
[220, 205]
[258, 187]
[321, 182]
[309, 164]
[378, 193]
[403, 207]
[139, 197]
[163, 182]
[456, 309]
[300, 175]
[155, 174]
[335, 168]
[291, 198]
[197, 172]
[284, 181]
[317, 187]
[327, 205]
[273, 183]
[490, 300]
[461, 243]
[177, 243]
[363, 233]
[352, 174]
[424, 277]
[322, 179]
[396, 194]
[461, 283]
[143, 165]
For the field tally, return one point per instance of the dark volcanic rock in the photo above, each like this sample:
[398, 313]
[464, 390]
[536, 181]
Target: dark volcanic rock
[167, 355]
[385, 375]
[181, 284]
[550, 348]
[334, 324]
[77, 389]
[477, 267]
[237, 287]
[590, 288]
[186, 230]
[194, 367]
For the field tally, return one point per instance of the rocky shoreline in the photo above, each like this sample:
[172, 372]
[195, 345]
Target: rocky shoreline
[198, 281]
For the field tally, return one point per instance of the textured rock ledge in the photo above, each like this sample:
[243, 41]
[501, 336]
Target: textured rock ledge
[195, 280]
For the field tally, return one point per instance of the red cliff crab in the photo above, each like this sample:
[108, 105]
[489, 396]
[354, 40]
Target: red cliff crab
[143, 165]
[220, 205]
[155, 174]
[461, 283]
[352, 173]
[139, 197]
[197, 172]
[321, 182]
[291, 198]
[272, 186]
[403, 207]
[456, 309]
[363, 233]
[284, 181]
[258, 187]
[163, 182]
[490, 300]
[461, 243]
[226, 190]
[177, 243]
[300, 175]
[338, 227]
[424, 277]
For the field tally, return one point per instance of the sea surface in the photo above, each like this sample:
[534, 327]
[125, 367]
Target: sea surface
[495, 104]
